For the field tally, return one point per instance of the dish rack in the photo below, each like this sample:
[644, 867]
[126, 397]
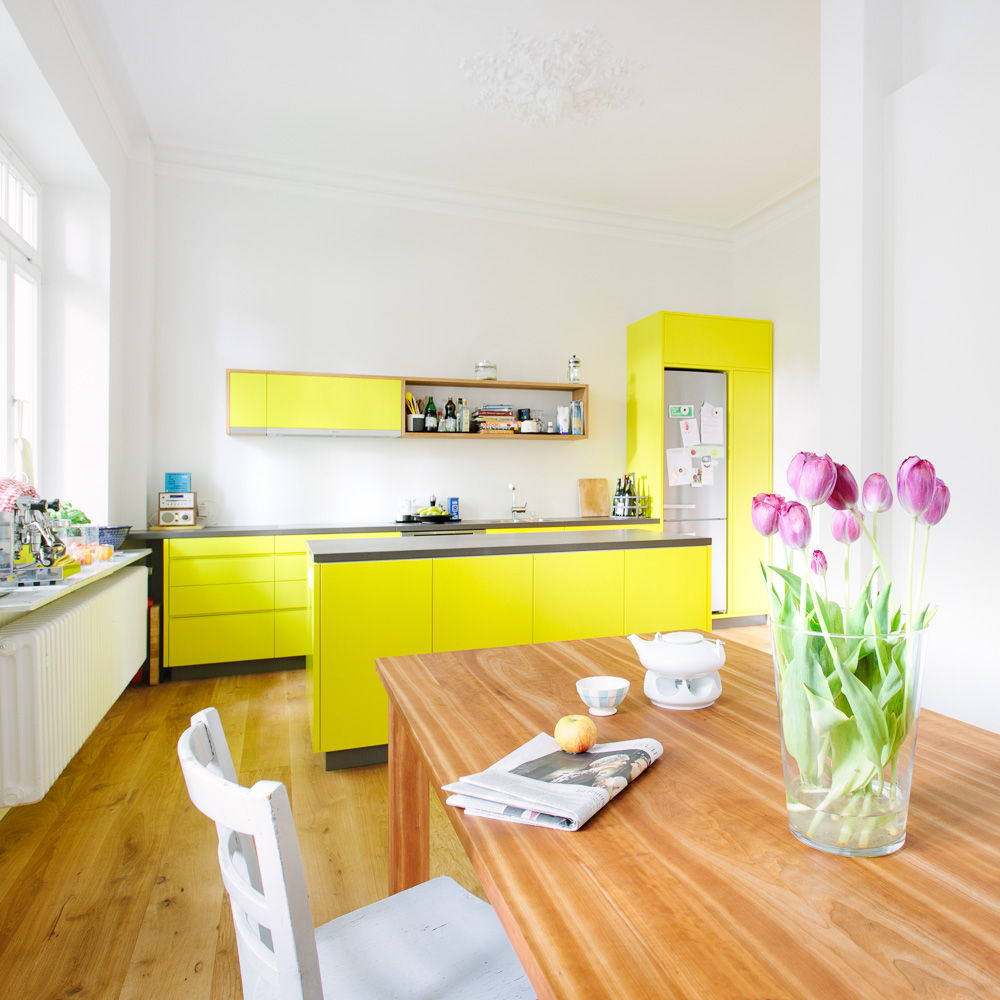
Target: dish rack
[630, 506]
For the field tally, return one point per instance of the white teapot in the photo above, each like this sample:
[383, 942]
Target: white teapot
[682, 669]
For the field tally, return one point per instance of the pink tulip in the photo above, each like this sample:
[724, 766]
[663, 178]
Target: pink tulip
[915, 484]
[794, 525]
[795, 467]
[845, 490]
[818, 563]
[876, 495]
[817, 480]
[845, 527]
[764, 511]
[938, 507]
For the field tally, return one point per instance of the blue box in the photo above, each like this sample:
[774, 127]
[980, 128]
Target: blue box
[453, 508]
[177, 482]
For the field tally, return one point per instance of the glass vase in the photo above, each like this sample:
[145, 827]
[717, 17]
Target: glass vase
[847, 711]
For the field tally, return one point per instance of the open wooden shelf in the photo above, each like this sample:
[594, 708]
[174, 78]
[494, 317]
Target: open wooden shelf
[487, 390]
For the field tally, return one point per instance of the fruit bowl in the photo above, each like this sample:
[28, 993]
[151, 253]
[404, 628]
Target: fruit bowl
[434, 518]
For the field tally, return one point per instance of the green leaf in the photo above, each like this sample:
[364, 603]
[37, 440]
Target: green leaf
[867, 714]
[891, 685]
[822, 712]
[880, 610]
[851, 767]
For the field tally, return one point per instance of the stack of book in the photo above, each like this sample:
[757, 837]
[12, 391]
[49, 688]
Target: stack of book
[496, 417]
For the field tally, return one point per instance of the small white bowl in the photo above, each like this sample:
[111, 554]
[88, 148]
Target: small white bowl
[602, 695]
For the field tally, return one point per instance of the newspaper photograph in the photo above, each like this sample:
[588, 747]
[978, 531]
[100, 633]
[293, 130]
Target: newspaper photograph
[541, 785]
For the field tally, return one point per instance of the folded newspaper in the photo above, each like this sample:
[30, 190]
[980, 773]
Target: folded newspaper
[541, 785]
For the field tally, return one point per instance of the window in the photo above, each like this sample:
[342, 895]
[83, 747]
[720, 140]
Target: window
[20, 284]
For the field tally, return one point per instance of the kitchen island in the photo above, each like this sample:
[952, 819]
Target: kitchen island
[375, 597]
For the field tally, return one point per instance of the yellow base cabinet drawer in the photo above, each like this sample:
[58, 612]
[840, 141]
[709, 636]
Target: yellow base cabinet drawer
[291, 632]
[221, 569]
[578, 595]
[355, 629]
[668, 589]
[221, 598]
[481, 601]
[224, 545]
[289, 594]
[220, 638]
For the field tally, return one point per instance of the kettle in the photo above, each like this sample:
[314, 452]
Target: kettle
[682, 669]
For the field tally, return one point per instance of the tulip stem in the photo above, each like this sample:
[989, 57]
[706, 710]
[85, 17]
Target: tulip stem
[923, 566]
[876, 551]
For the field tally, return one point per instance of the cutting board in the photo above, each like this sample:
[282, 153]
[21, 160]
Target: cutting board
[595, 497]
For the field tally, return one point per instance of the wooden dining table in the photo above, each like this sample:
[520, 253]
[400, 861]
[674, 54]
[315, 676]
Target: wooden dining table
[689, 883]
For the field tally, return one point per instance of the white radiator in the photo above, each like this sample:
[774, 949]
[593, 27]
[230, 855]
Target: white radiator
[62, 667]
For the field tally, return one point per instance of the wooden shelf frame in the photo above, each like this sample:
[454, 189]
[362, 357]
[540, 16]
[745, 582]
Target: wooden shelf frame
[572, 390]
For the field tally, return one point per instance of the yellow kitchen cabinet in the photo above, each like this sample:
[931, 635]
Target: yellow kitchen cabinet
[291, 569]
[247, 393]
[582, 527]
[482, 601]
[220, 638]
[366, 610]
[218, 599]
[334, 402]
[742, 349]
[578, 595]
[668, 588]
[749, 440]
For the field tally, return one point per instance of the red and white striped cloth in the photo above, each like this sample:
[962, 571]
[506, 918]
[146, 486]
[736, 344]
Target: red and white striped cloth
[11, 489]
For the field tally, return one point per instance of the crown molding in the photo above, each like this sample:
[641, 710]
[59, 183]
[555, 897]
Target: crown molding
[405, 193]
[801, 201]
[119, 107]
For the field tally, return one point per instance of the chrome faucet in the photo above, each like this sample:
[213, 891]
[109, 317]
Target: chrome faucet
[515, 509]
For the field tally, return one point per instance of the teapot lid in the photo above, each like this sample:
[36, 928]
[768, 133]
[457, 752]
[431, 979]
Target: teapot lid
[680, 638]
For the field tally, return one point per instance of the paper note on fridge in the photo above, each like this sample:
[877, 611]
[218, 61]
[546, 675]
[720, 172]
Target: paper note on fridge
[712, 419]
[678, 467]
[689, 433]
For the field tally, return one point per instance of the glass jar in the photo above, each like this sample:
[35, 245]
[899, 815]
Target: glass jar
[486, 370]
[574, 369]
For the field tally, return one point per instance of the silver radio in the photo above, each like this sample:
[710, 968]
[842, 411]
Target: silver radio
[180, 517]
[175, 501]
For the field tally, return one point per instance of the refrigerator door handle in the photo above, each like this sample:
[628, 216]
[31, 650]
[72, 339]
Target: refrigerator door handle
[679, 506]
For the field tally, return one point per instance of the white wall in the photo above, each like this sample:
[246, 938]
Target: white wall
[302, 278]
[775, 275]
[946, 209]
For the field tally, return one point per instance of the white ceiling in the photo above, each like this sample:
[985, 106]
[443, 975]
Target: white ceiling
[727, 124]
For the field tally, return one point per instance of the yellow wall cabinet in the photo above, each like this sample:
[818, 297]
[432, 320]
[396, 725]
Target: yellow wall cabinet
[742, 348]
[302, 403]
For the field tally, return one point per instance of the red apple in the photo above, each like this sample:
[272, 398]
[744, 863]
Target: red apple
[575, 733]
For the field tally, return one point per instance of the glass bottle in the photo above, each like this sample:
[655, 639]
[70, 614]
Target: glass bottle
[449, 415]
[430, 415]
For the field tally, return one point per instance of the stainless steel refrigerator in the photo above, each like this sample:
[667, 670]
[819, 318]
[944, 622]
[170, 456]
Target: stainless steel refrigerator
[694, 441]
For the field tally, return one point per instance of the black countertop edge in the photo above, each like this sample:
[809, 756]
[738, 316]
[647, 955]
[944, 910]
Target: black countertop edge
[383, 549]
[219, 531]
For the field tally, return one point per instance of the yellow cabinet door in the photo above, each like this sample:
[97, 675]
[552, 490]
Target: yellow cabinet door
[482, 601]
[291, 631]
[578, 595]
[334, 402]
[291, 554]
[221, 638]
[366, 610]
[750, 473]
[247, 402]
[668, 588]
[720, 342]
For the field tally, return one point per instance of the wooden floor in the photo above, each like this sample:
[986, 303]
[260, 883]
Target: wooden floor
[110, 886]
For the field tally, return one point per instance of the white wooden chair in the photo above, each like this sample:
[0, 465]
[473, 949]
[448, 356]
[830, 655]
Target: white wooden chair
[432, 941]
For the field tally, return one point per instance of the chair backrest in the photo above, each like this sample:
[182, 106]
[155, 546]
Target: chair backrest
[261, 866]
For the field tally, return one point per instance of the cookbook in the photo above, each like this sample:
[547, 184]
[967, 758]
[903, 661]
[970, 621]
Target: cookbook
[541, 785]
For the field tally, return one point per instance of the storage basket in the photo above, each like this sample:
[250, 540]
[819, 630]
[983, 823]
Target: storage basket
[115, 536]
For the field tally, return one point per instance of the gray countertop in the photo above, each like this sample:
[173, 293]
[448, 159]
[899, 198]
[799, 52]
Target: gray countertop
[424, 547]
[216, 531]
